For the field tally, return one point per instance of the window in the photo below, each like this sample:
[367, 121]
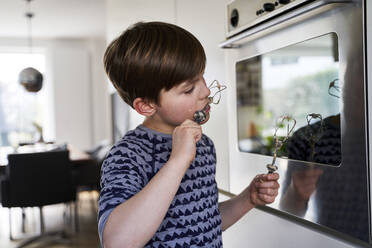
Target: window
[19, 109]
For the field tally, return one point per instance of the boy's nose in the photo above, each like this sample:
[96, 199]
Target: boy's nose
[206, 91]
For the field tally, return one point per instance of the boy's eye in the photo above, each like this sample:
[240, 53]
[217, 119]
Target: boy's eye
[189, 91]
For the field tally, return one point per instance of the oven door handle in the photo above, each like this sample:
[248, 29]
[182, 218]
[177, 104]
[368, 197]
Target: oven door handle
[231, 43]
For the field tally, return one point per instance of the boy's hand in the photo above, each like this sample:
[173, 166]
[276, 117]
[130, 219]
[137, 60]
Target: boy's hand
[184, 139]
[264, 189]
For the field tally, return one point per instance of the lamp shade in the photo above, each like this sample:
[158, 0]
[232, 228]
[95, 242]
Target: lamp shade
[31, 79]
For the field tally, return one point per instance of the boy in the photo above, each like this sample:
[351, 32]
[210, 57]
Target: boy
[158, 181]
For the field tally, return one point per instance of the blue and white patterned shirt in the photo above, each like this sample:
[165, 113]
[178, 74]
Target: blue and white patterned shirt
[193, 218]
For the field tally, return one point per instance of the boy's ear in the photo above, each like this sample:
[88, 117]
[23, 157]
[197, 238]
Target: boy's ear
[144, 107]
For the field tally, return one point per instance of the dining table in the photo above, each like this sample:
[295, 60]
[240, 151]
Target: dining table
[82, 163]
[76, 154]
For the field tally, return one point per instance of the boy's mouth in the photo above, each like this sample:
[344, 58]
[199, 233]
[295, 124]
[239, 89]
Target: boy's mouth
[201, 116]
[207, 108]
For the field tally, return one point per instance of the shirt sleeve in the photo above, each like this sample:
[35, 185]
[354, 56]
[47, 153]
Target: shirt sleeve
[121, 178]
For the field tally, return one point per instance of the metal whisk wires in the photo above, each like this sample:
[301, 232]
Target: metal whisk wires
[215, 96]
[314, 132]
[216, 87]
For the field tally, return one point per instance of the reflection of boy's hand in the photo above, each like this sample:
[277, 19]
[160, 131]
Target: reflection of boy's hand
[304, 182]
[184, 139]
[264, 189]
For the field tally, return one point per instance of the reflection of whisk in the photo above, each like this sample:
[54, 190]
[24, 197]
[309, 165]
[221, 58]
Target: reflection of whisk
[279, 143]
[334, 89]
[313, 136]
[215, 87]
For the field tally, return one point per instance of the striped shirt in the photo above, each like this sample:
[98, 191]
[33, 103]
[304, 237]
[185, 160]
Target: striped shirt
[193, 218]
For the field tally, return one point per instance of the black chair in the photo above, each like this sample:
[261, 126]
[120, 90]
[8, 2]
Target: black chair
[88, 173]
[37, 180]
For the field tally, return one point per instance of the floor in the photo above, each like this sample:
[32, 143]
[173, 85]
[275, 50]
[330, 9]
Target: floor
[87, 235]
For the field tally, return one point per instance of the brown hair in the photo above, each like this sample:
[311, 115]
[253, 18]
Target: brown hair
[152, 56]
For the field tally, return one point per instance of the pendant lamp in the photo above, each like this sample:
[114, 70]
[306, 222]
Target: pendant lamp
[30, 78]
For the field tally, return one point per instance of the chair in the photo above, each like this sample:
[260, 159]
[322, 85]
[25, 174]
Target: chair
[88, 172]
[37, 180]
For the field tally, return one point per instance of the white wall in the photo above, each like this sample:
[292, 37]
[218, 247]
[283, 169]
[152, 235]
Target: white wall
[206, 20]
[81, 104]
[75, 85]
[121, 14]
[72, 93]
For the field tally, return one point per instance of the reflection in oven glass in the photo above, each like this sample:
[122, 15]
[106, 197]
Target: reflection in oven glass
[300, 81]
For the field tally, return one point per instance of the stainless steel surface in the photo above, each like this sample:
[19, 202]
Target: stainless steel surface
[244, 14]
[368, 76]
[251, 29]
[340, 199]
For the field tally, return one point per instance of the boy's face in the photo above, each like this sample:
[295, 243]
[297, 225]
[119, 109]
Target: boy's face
[180, 103]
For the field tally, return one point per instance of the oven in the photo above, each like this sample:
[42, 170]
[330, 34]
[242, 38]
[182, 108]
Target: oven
[296, 80]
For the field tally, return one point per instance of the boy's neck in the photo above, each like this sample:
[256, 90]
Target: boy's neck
[152, 124]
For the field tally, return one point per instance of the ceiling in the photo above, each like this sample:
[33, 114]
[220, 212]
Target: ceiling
[53, 18]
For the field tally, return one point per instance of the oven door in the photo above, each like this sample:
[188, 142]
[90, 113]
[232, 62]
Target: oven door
[309, 67]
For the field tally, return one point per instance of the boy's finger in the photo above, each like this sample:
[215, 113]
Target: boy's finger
[266, 178]
[196, 131]
[268, 191]
[266, 198]
[268, 184]
[270, 177]
[259, 177]
[189, 123]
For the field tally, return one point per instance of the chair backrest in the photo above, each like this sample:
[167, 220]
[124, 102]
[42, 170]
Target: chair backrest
[38, 179]
[88, 174]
